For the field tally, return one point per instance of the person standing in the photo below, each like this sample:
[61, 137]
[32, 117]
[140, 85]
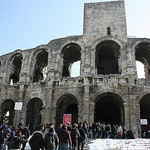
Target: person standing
[51, 140]
[82, 137]
[119, 131]
[36, 142]
[75, 136]
[65, 141]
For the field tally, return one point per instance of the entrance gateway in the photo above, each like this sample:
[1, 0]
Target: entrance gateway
[109, 109]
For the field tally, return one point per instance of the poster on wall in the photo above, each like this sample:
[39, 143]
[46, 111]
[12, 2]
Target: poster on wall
[18, 106]
[67, 119]
[143, 121]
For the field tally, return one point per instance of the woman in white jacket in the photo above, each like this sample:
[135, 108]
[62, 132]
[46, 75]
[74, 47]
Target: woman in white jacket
[120, 132]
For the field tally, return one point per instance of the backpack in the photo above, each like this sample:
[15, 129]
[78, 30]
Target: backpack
[51, 142]
[16, 142]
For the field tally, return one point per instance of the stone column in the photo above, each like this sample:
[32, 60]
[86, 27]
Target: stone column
[25, 75]
[23, 116]
[133, 121]
[91, 112]
[138, 116]
[51, 66]
[46, 116]
[85, 111]
[127, 116]
[93, 69]
[87, 64]
[80, 107]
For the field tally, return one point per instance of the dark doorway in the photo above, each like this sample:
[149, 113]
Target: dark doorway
[73, 110]
[67, 104]
[34, 113]
[109, 109]
[8, 112]
[145, 111]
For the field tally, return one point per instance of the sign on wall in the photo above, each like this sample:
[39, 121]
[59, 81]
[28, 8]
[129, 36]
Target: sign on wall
[67, 119]
[143, 121]
[18, 106]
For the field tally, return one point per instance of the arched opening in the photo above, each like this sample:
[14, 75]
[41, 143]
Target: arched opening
[8, 113]
[107, 55]
[67, 104]
[40, 68]
[15, 68]
[140, 69]
[109, 109]
[75, 72]
[145, 112]
[142, 54]
[108, 31]
[34, 113]
[71, 53]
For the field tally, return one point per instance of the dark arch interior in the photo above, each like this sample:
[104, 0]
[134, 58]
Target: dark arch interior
[142, 54]
[67, 104]
[145, 111]
[145, 107]
[71, 53]
[73, 110]
[109, 109]
[41, 63]
[15, 68]
[34, 113]
[8, 106]
[107, 54]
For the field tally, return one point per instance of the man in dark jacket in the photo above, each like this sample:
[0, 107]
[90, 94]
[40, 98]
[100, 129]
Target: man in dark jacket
[82, 137]
[75, 135]
[65, 141]
[36, 142]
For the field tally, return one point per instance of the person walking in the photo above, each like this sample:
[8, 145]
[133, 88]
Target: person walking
[65, 141]
[75, 136]
[36, 142]
[51, 140]
[16, 140]
[82, 137]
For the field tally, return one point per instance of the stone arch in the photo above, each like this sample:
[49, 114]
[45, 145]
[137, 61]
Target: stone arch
[34, 113]
[40, 64]
[109, 107]
[141, 51]
[71, 53]
[7, 112]
[67, 104]
[96, 42]
[14, 68]
[107, 56]
[109, 90]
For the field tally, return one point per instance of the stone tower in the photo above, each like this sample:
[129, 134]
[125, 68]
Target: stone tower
[107, 90]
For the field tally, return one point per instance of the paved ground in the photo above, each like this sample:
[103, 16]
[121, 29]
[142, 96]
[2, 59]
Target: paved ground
[115, 144]
[119, 144]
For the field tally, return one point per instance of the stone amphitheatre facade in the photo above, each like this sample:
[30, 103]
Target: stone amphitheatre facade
[108, 88]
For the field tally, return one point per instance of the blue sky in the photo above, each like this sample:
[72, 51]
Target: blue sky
[30, 23]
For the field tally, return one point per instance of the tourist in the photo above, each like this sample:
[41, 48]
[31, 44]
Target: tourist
[65, 141]
[82, 137]
[119, 132]
[51, 140]
[37, 142]
[75, 136]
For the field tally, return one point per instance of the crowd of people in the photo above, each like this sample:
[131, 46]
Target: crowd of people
[63, 137]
